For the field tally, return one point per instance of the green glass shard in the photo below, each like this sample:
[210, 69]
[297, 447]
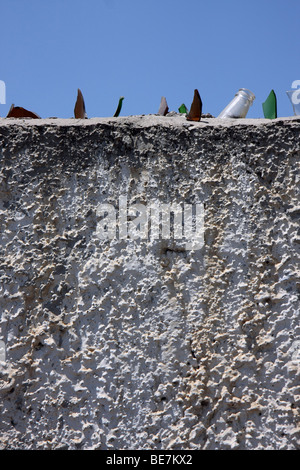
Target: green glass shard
[270, 106]
[119, 107]
[183, 109]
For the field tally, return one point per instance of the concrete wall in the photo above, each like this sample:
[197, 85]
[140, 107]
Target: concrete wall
[145, 344]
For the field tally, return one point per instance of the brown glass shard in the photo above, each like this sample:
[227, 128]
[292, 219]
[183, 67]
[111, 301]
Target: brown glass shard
[79, 110]
[163, 108]
[18, 112]
[196, 108]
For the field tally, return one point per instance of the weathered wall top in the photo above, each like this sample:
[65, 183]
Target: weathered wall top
[141, 343]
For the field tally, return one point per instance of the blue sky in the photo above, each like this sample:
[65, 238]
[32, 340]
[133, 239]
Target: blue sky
[146, 49]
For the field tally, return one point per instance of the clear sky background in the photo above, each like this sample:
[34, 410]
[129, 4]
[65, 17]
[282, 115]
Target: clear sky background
[146, 49]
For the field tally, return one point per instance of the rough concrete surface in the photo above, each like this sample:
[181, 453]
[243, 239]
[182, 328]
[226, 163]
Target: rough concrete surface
[142, 343]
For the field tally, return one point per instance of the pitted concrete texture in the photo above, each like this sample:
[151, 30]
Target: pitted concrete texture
[141, 343]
